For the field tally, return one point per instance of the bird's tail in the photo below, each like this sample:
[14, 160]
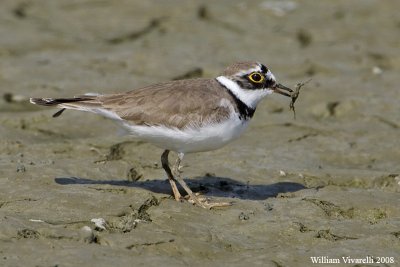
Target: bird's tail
[84, 103]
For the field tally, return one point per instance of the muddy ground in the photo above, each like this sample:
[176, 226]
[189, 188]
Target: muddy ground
[325, 184]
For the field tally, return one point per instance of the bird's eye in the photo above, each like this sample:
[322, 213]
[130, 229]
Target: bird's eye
[256, 77]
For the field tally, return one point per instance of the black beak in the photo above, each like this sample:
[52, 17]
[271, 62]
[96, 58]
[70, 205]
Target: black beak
[278, 88]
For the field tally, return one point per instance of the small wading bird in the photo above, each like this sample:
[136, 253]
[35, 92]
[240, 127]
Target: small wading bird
[184, 116]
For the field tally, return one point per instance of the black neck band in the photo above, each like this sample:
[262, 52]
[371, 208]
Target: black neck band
[245, 112]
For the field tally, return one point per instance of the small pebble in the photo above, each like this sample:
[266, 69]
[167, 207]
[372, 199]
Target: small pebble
[397, 178]
[376, 70]
[100, 223]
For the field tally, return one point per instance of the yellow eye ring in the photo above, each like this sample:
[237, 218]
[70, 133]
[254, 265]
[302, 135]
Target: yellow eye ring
[256, 77]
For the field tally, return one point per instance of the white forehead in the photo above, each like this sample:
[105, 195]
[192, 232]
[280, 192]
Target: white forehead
[270, 76]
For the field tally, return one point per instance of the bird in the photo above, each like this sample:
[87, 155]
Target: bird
[184, 116]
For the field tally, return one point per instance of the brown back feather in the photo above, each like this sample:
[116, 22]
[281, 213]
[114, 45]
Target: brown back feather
[173, 104]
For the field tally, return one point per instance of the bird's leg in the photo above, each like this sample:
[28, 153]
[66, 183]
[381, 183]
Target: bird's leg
[177, 171]
[202, 202]
[171, 179]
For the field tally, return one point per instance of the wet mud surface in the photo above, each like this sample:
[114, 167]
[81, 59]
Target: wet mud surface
[74, 192]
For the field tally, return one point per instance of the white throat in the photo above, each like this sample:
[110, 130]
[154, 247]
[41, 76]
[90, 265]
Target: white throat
[249, 97]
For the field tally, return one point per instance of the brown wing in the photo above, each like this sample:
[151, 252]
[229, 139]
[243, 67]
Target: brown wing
[173, 104]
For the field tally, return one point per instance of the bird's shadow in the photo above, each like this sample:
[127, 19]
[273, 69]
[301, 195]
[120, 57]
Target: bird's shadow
[207, 185]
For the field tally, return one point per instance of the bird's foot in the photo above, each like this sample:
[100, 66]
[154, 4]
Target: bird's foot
[205, 202]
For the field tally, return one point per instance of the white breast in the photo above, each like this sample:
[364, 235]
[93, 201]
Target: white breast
[190, 139]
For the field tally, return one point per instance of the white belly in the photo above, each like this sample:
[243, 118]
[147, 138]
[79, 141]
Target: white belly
[190, 139]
